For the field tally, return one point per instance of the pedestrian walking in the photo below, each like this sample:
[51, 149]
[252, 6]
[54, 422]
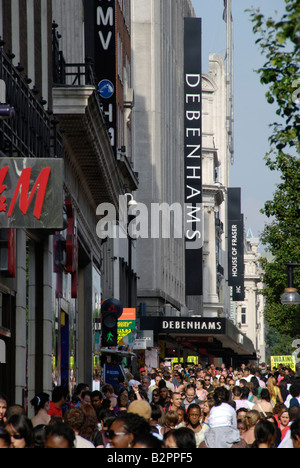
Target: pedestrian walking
[59, 436]
[223, 432]
[41, 405]
[125, 429]
[3, 408]
[21, 431]
[265, 435]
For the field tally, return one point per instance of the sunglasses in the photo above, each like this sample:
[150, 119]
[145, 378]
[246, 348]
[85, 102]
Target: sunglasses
[17, 436]
[111, 434]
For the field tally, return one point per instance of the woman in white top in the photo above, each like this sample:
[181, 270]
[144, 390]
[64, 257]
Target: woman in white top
[223, 431]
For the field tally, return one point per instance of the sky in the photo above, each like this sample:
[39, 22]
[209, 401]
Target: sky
[253, 115]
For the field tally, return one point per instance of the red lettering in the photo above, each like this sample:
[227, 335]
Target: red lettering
[3, 205]
[23, 187]
[3, 174]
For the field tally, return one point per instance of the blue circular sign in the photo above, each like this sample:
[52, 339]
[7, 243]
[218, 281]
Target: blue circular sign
[106, 89]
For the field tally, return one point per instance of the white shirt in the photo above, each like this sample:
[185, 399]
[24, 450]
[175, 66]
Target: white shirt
[83, 443]
[287, 442]
[222, 416]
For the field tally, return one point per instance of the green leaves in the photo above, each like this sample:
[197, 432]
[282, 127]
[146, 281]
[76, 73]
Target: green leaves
[279, 42]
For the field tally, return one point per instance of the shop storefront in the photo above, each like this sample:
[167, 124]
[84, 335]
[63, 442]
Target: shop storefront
[199, 339]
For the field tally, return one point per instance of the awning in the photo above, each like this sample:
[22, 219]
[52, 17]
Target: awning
[217, 335]
[117, 352]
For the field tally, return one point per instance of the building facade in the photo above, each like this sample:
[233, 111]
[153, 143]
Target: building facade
[51, 307]
[157, 39]
[158, 136]
[215, 183]
[250, 313]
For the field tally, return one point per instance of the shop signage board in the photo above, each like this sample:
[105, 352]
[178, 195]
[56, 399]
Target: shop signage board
[105, 47]
[184, 326]
[235, 245]
[31, 193]
[193, 155]
[126, 323]
[286, 361]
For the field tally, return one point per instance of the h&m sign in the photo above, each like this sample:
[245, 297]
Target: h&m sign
[31, 193]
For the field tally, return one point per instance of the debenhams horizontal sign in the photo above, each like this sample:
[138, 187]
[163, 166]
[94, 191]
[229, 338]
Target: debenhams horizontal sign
[192, 325]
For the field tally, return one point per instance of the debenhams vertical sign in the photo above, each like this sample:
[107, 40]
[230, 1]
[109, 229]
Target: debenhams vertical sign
[193, 155]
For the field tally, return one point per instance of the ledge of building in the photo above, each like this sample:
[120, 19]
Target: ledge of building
[87, 142]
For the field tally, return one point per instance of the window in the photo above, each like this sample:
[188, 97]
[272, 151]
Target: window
[244, 316]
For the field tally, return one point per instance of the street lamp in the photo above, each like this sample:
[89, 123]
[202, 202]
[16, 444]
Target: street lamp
[291, 296]
[130, 204]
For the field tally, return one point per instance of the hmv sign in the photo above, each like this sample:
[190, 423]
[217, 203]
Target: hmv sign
[31, 193]
[105, 61]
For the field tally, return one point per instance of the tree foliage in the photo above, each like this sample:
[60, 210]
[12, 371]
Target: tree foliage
[279, 42]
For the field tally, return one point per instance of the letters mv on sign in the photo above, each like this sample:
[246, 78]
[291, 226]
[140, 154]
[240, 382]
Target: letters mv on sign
[193, 155]
[105, 61]
[31, 193]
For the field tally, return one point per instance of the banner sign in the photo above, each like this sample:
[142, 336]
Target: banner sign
[105, 61]
[235, 245]
[286, 361]
[184, 326]
[193, 155]
[31, 193]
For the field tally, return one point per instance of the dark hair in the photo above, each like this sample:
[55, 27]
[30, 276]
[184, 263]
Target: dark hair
[294, 413]
[162, 384]
[264, 433]
[58, 393]
[149, 441]
[97, 393]
[61, 430]
[123, 399]
[190, 385]
[23, 426]
[295, 429]
[80, 387]
[245, 393]
[39, 433]
[193, 406]
[221, 395]
[86, 393]
[5, 437]
[134, 424]
[15, 410]
[237, 391]
[39, 401]
[3, 397]
[295, 389]
[183, 437]
[156, 412]
[106, 416]
[265, 395]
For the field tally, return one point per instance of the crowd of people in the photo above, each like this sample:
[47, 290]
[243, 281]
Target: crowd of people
[159, 408]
